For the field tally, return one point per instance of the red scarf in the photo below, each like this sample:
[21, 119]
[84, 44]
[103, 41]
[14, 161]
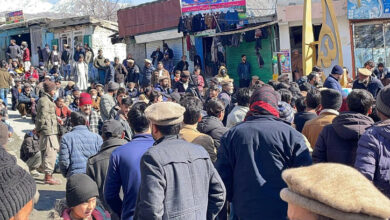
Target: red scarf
[261, 108]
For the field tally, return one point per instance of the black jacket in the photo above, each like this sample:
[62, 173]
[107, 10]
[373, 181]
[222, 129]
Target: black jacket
[30, 146]
[97, 165]
[338, 141]
[213, 127]
[156, 56]
[182, 65]
[120, 73]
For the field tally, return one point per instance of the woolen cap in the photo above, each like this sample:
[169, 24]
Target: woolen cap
[337, 70]
[365, 71]
[383, 101]
[17, 187]
[336, 191]
[286, 112]
[79, 189]
[113, 86]
[165, 113]
[112, 128]
[49, 86]
[85, 99]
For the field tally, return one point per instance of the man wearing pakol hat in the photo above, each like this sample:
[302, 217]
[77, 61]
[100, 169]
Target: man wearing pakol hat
[171, 167]
[163, 85]
[367, 82]
[77, 146]
[108, 101]
[97, 165]
[17, 189]
[46, 126]
[94, 121]
[372, 159]
[132, 71]
[329, 191]
[332, 82]
[263, 145]
[145, 76]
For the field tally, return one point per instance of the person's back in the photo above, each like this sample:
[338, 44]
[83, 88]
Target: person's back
[307, 107]
[77, 146]
[331, 101]
[338, 141]
[253, 155]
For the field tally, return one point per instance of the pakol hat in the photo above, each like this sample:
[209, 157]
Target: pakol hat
[336, 191]
[364, 71]
[148, 61]
[165, 113]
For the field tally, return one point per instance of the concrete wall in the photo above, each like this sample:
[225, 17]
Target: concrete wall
[138, 51]
[101, 40]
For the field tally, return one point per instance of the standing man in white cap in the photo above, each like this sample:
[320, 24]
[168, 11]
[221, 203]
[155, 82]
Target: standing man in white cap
[177, 177]
[367, 82]
[146, 75]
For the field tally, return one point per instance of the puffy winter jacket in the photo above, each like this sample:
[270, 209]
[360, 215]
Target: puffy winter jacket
[338, 141]
[373, 155]
[213, 127]
[76, 147]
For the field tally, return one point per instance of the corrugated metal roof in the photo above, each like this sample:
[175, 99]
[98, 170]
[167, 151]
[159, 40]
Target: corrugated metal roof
[149, 17]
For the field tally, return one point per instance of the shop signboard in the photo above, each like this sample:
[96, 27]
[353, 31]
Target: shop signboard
[368, 9]
[212, 6]
[285, 61]
[14, 17]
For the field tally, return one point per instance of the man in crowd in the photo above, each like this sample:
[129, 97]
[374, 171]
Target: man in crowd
[171, 167]
[26, 56]
[65, 60]
[16, 90]
[132, 71]
[97, 165]
[263, 146]
[244, 72]
[331, 101]
[239, 111]
[62, 112]
[226, 97]
[332, 82]
[311, 104]
[94, 121]
[163, 85]
[146, 75]
[110, 72]
[184, 85]
[168, 63]
[338, 141]
[183, 64]
[77, 146]
[122, 117]
[27, 102]
[189, 132]
[107, 102]
[367, 82]
[380, 72]
[314, 79]
[79, 51]
[156, 56]
[124, 166]
[46, 55]
[100, 66]
[370, 65]
[167, 50]
[30, 152]
[161, 72]
[5, 83]
[70, 98]
[47, 129]
[13, 51]
[120, 72]
[371, 155]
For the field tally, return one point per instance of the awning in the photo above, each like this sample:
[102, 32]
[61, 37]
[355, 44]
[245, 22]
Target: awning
[161, 35]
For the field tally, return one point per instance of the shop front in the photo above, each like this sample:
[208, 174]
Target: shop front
[370, 25]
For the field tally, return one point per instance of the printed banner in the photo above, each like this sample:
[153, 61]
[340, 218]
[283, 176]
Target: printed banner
[207, 6]
[14, 17]
[368, 9]
[285, 61]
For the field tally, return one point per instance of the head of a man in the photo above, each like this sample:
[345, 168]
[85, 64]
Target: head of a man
[121, 94]
[126, 105]
[49, 88]
[164, 82]
[313, 100]
[337, 71]
[112, 88]
[369, 65]
[215, 108]
[364, 75]
[107, 62]
[55, 47]
[155, 97]
[383, 103]
[76, 118]
[148, 63]
[193, 108]
[313, 78]
[184, 58]
[81, 58]
[243, 58]
[381, 67]
[137, 118]
[58, 84]
[93, 93]
[85, 103]
[213, 91]
[60, 102]
[244, 96]
[360, 101]
[100, 52]
[116, 60]
[27, 88]
[160, 66]
[112, 129]
[184, 76]
[165, 119]
[227, 86]
[331, 99]
[76, 92]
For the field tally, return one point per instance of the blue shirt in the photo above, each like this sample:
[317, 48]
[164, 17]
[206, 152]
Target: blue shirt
[124, 171]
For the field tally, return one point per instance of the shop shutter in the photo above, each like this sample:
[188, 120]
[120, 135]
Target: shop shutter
[54, 42]
[152, 46]
[177, 46]
[233, 58]
[88, 40]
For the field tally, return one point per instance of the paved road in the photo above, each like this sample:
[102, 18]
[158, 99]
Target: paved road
[48, 194]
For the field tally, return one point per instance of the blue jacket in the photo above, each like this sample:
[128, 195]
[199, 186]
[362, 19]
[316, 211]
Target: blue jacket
[374, 86]
[244, 71]
[373, 157]
[251, 159]
[77, 54]
[76, 147]
[110, 74]
[124, 171]
[146, 76]
[333, 83]
[24, 98]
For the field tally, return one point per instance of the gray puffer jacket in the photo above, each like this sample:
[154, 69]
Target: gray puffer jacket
[213, 127]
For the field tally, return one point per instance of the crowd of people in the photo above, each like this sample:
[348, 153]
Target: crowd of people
[161, 142]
